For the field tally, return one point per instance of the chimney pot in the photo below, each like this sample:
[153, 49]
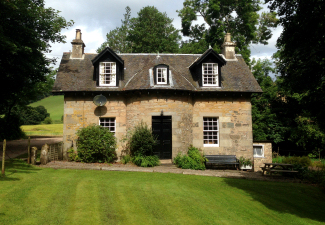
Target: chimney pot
[228, 47]
[77, 46]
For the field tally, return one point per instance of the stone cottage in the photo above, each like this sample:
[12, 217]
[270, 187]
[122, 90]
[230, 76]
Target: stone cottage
[188, 99]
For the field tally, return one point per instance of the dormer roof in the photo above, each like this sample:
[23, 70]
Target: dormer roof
[104, 53]
[210, 53]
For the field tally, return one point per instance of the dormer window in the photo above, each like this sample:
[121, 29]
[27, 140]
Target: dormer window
[108, 69]
[161, 75]
[210, 74]
[107, 74]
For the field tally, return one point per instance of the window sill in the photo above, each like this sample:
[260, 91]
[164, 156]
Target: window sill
[210, 145]
[107, 87]
[259, 157]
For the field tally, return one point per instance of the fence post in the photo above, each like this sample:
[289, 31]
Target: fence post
[3, 158]
[28, 159]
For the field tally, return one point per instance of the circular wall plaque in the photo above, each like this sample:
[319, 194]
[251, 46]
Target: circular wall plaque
[100, 100]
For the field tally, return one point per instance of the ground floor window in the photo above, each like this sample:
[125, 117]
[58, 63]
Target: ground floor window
[258, 151]
[108, 123]
[211, 131]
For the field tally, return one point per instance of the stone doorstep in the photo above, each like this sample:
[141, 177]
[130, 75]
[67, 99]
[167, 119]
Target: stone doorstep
[165, 161]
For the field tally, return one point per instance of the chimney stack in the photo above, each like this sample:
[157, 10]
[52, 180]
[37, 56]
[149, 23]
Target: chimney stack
[228, 47]
[77, 46]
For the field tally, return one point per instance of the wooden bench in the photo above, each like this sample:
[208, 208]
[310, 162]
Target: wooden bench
[221, 160]
[277, 170]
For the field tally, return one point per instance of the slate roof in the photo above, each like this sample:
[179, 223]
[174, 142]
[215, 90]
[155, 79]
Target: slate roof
[78, 74]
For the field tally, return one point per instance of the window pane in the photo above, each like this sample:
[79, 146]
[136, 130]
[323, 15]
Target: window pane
[210, 130]
[108, 123]
[108, 73]
[258, 151]
[210, 74]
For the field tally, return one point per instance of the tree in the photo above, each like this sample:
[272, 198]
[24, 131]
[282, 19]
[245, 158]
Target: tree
[301, 63]
[152, 31]
[117, 39]
[26, 30]
[240, 18]
[266, 124]
[301, 47]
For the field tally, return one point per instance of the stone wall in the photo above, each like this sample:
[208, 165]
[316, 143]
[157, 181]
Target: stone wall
[80, 111]
[235, 125]
[179, 107]
[187, 112]
[259, 161]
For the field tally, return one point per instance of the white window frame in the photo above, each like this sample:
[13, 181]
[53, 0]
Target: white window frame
[258, 156]
[211, 71]
[209, 127]
[161, 73]
[107, 72]
[108, 122]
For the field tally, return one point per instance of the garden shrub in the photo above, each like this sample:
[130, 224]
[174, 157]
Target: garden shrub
[96, 144]
[125, 159]
[48, 120]
[73, 156]
[146, 161]
[142, 141]
[10, 128]
[298, 162]
[193, 160]
[32, 115]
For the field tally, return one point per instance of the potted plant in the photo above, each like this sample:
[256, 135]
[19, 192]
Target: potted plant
[245, 163]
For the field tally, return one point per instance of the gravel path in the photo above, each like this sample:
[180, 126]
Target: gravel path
[167, 168]
[19, 147]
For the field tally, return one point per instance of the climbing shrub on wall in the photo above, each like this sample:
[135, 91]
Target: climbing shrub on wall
[96, 144]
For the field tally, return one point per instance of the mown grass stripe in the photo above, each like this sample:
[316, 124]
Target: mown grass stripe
[46, 196]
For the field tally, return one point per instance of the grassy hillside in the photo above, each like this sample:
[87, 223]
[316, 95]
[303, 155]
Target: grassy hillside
[43, 130]
[53, 105]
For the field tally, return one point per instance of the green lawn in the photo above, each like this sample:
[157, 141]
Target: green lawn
[31, 195]
[43, 130]
[54, 105]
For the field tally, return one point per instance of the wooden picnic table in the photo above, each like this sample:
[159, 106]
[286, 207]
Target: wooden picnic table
[278, 167]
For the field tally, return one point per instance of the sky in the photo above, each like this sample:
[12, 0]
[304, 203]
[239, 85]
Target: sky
[96, 18]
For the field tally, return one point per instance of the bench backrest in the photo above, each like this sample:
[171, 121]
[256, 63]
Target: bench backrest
[221, 158]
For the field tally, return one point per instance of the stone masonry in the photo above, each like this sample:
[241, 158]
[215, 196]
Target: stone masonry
[187, 112]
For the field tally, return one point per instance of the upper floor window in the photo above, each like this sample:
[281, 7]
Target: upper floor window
[107, 74]
[210, 74]
[161, 75]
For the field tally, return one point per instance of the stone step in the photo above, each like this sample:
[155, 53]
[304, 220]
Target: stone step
[166, 161]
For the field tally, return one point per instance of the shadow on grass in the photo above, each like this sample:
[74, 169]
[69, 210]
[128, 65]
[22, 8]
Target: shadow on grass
[16, 166]
[301, 200]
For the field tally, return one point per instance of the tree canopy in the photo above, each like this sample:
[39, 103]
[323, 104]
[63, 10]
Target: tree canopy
[301, 64]
[152, 31]
[27, 29]
[240, 18]
[117, 39]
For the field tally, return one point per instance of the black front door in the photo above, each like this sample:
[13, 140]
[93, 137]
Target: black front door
[162, 128]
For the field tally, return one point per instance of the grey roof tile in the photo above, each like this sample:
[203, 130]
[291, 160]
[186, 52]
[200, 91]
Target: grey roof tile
[78, 74]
